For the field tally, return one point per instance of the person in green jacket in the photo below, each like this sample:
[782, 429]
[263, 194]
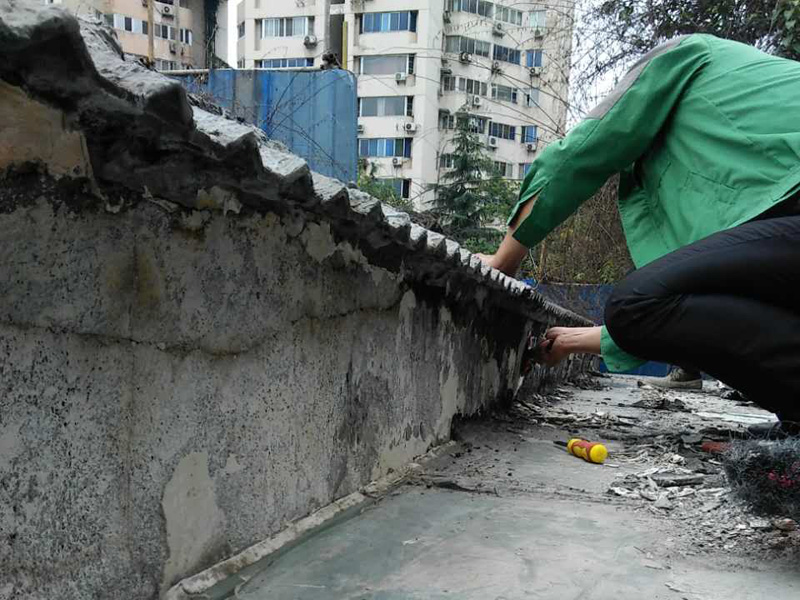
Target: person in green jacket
[705, 134]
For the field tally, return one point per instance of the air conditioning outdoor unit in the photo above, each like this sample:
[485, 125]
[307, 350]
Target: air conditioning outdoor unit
[477, 101]
[465, 57]
[496, 66]
[447, 16]
[166, 10]
[310, 41]
[446, 71]
[492, 142]
[535, 71]
[498, 29]
[531, 146]
[397, 161]
[538, 32]
[400, 77]
[173, 47]
[410, 127]
[360, 128]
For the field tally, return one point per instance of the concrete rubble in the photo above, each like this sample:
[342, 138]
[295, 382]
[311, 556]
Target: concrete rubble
[202, 341]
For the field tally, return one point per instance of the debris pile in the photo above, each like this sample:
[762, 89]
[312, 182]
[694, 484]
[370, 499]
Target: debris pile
[766, 475]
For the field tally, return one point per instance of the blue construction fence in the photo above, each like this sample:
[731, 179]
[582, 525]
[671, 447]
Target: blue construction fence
[589, 300]
[313, 112]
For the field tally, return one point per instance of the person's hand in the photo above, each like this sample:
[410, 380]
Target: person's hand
[560, 342]
[487, 259]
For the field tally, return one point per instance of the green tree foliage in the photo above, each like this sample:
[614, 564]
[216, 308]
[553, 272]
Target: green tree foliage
[473, 195]
[383, 191]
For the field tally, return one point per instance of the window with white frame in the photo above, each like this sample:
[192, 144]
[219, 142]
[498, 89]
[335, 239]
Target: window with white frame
[452, 83]
[401, 187]
[285, 27]
[388, 21]
[447, 121]
[505, 54]
[187, 37]
[460, 43]
[241, 30]
[446, 161]
[240, 63]
[504, 93]
[503, 169]
[530, 134]
[523, 169]
[508, 15]
[475, 124]
[386, 64]
[501, 130]
[386, 106]
[476, 7]
[534, 58]
[538, 18]
[384, 147]
[284, 63]
[532, 97]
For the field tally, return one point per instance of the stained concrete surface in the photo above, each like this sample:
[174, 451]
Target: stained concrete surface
[527, 520]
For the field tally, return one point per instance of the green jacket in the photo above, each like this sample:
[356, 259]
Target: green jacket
[705, 134]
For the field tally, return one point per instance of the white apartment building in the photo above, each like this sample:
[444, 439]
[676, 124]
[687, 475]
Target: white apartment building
[178, 28]
[423, 64]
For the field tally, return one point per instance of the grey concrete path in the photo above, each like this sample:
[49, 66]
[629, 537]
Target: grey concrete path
[534, 522]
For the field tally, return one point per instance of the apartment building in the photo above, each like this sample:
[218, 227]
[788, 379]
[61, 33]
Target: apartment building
[423, 65]
[178, 28]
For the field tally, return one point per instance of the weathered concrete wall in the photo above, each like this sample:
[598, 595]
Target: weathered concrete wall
[199, 339]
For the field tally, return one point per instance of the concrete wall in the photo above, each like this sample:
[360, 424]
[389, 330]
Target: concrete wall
[201, 340]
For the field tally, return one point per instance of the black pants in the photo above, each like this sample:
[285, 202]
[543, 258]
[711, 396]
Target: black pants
[728, 305]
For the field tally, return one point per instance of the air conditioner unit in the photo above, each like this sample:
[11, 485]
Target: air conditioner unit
[538, 32]
[465, 57]
[531, 146]
[496, 66]
[498, 29]
[310, 41]
[397, 161]
[166, 10]
[446, 71]
[400, 77]
[173, 47]
[410, 127]
[535, 71]
[447, 16]
[492, 142]
[360, 128]
[477, 101]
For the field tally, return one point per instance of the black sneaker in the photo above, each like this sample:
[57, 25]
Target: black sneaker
[779, 430]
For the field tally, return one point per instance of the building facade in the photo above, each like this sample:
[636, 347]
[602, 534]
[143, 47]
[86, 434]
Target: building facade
[423, 65]
[178, 28]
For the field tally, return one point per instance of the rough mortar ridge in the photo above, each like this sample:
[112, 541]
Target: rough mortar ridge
[147, 139]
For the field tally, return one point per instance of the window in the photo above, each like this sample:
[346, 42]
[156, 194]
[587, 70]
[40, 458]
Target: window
[128, 24]
[534, 58]
[477, 7]
[538, 19]
[285, 27]
[459, 43]
[388, 21]
[476, 124]
[446, 121]
[504, 93]
[446, 161]
[451, 83]
[504, 169]
[143, 27]
[241, 30]
[186, 36]
[506, 54]
[503, 131]
[532, 97]
[385, 147]
[508, 15]
[240, 63]
[385, 106]
[388, 64]
[523, 169]
[284, 63]
[166, 65]
[401, 187]
[530, 133]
